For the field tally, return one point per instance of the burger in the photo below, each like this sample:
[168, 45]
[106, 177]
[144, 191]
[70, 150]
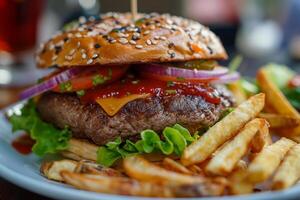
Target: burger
[143, 86]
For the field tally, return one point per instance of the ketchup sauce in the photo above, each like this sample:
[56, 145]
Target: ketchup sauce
[23, 144]
[159, 88]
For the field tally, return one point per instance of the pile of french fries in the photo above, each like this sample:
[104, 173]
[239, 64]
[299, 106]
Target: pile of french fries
[235, 156]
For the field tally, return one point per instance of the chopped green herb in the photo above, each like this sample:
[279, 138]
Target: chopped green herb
[180, 78]
[65, 87]
[80, 93]
[170, 83]
[98, 79]
[171, 91]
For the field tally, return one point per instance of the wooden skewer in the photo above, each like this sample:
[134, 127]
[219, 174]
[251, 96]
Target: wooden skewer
[134, 9]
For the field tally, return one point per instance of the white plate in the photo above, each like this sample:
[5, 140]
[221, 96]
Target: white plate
[24, 172]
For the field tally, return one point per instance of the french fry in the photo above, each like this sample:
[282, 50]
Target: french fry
[276, 99]
[127, 186]
[52, 169]
[172, 165]
[288, 172]
[280, 121]
[201, 149]
[274, 96]
[115, 185]
[261, 139]
[142, 170]
[81, 149]
[266, 162]
[88, 167]
[238, 183]
[226, 159]
[238, 92]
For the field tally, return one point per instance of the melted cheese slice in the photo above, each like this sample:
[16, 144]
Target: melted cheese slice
[112, 105]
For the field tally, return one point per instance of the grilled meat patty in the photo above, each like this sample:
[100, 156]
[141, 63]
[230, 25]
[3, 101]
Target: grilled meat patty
[90, 120]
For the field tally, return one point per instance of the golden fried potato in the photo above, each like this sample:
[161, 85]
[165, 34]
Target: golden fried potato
[172, 165]
[226, 159]
[266, 162]
[115, 185]
[261, 139]
[142, 170]
[276, 99]
[222, 131]
[81, 149]
[238, 182]
[89, 167]
[52, 169]
[274, 96]
[288, 172]
[238, 92]
[280, 121]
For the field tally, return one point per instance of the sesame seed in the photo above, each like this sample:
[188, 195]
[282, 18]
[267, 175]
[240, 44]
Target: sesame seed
[156, 37]
[123, 41]
[68, 58]
[54, 58]
[148, 42]
[84, 56]
[78, 44]
[171, 45]
[146, 32]
[154, 42]
[95, 56]
[169, 21]
[90, 61]
[138, 46]
[112, 41]
[97, 46]
[152, 27]
[121, 35]
[132, 42]
[162, 38]
[78, 35]
[82, 50]
[72, 52]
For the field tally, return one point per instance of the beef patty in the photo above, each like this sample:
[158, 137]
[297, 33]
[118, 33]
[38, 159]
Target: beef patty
[90, 120]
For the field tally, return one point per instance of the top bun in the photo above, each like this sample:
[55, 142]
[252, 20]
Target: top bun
[115, 39]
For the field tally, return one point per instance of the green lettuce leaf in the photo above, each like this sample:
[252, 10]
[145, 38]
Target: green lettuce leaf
[175, 139]
[279, 74]
[48, 138]
[293, 95]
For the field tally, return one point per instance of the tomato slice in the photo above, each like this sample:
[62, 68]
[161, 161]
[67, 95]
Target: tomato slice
[92, 77]
[176, 79]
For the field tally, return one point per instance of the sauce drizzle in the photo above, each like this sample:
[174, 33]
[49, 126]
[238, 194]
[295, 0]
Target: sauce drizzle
[23, 144]
[131, 85]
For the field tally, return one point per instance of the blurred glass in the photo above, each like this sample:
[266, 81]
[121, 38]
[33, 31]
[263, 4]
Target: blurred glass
[18, 22]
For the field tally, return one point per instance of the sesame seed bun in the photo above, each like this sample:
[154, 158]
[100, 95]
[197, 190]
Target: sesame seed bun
[115, 39]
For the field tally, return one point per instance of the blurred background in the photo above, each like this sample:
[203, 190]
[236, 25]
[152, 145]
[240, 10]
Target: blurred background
[261, 31]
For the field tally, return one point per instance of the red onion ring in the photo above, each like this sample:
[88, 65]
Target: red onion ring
[180, 72]
[227, 78]
[50, 84]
